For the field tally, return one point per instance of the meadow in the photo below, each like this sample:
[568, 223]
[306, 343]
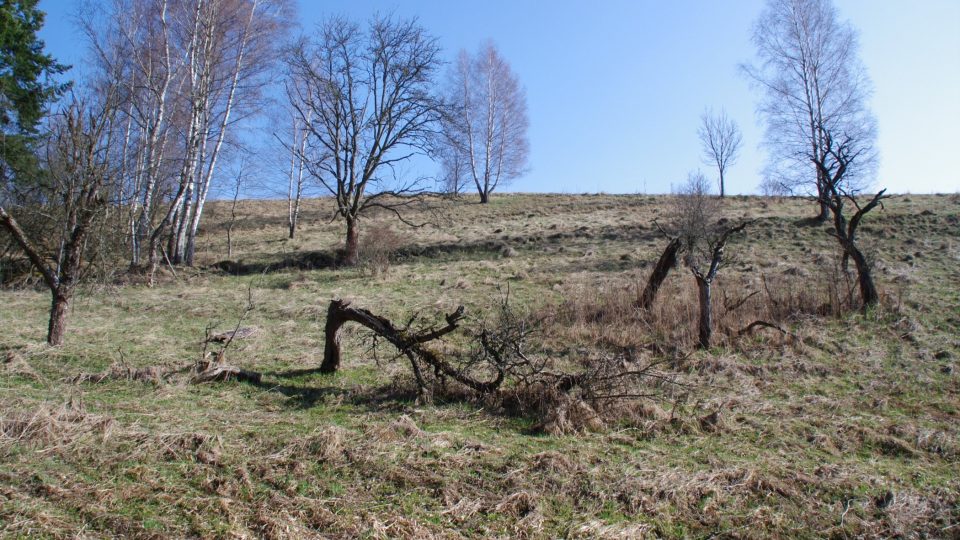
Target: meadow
[836, 424]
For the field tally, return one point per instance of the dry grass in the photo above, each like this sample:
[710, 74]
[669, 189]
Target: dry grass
[846, 426]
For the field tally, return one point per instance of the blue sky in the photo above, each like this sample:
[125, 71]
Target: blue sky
[616, 87]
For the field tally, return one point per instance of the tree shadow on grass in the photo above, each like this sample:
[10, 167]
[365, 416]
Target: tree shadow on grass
[390, 396]
[810, 222]
[301, 397]
[397, 395]
[307, 260]
[488, 248]
[292, 373]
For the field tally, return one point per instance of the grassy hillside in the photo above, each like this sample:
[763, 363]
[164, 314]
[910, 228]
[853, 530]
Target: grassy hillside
[846, 425]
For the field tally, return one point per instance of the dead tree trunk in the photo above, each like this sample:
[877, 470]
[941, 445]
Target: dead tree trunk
[413, 346]
[668, 260]
[331, 347]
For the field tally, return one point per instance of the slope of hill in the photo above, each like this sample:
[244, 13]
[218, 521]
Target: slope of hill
[841, 425]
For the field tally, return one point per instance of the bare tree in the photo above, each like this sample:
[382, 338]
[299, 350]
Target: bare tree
[296, 147]
[704, 238]
[721, 140]
[364, 96]
[133, 49]
[238, 49]
[295, 185]
[237, 186]
[705, 274]
[813, 81]
[191, 70]
[79, 173]
[694, 213]
[841, 154]
[485, 129]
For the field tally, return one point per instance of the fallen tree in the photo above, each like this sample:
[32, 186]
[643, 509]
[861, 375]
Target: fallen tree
[496, 358]
[413, 345]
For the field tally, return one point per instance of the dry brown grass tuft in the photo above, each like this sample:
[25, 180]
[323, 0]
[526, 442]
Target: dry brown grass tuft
[610, 317]
[570, 415]
[15, 365]
[602, 531]
[123, 372]
[517, 504]
[400, 430]
[191, 446]
[551, 462]
[51, 429]
[328, 444]
[378, 244]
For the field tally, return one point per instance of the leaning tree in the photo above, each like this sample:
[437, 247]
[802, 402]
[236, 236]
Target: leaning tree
[842, 154]
[364, 96]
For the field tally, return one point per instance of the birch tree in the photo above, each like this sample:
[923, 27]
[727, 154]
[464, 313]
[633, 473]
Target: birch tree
[236, 51]
[813, 82]
[133, 48]
[364, 95]
[297, 148]
[485, 129]
[192, 69]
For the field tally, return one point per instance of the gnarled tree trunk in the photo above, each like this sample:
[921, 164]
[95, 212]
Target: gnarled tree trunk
[413, 346]
[668, 260]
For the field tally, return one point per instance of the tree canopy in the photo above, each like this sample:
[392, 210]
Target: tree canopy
[26, 81]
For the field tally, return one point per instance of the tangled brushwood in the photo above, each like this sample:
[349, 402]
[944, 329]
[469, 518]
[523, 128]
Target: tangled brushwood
[495, 365]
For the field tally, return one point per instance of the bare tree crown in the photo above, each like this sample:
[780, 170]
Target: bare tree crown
[812, 81]
[721, 141]
[694, 216]
[485, 128]
[365, 98]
